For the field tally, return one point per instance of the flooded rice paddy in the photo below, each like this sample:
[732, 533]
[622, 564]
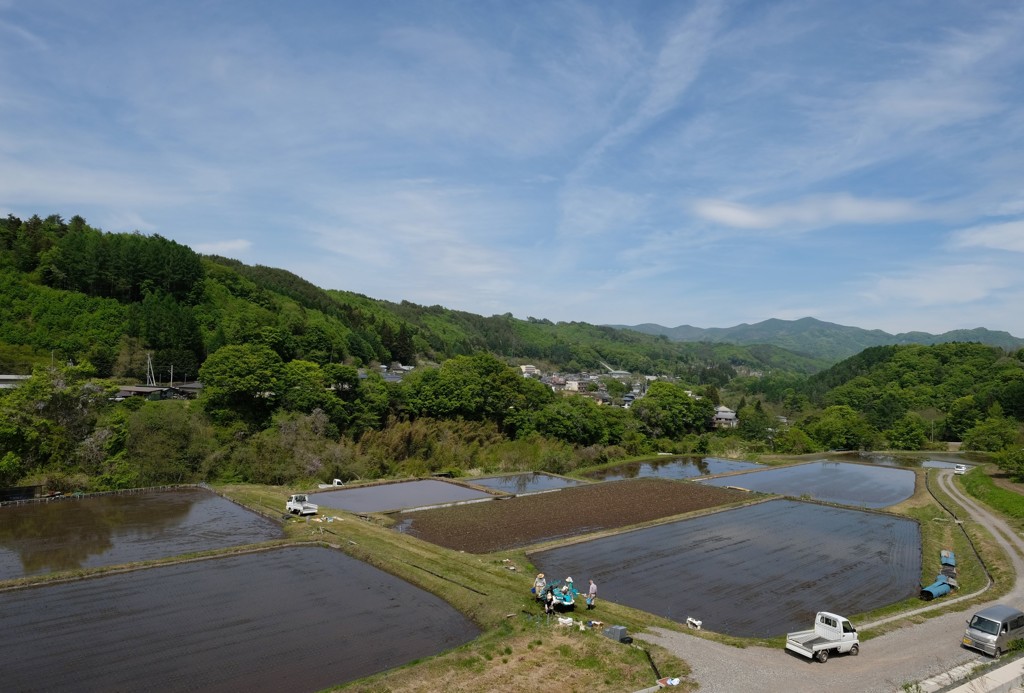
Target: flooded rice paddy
[524, 483]
[397, 496]
[673, 468]
[294, 619]
[93, 531]
[863, 485]
[756, 571]
[933, 460]
[891, 460]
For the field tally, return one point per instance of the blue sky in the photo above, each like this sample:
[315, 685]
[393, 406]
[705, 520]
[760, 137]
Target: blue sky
[703, 163]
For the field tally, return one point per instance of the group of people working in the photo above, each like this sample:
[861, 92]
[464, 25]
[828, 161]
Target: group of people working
[555, 595]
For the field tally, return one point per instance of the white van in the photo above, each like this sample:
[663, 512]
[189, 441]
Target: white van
[960, 469]
[991, 630]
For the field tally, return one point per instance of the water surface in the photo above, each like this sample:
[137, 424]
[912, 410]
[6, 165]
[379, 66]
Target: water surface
[673, 468]
[104, 530]
[758, 571]
[295, 619]
[863, 485]
[397, 496]
[524, 483]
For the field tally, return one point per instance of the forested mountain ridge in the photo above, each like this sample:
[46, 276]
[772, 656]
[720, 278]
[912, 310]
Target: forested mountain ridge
[822, 340]
[288, 396]
[76, 293]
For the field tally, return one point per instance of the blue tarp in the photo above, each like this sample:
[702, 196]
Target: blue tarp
[937, 589]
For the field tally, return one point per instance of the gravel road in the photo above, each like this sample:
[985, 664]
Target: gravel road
[908, 655]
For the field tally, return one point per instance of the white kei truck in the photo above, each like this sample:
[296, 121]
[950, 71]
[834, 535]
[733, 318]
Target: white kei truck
[299, 505]
[831, 633]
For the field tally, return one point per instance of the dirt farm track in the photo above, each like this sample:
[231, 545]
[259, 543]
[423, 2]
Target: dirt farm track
[528, 519]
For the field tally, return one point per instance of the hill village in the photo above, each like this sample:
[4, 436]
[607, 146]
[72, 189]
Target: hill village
[593, 386]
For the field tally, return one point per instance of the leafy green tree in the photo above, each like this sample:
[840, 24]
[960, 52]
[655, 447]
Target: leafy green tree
[369, 410]
[794, 404]
[886, 409]
[793, 441]
[756, 424]
[621, 427]
[1011, 461]
[242, 380]
[841, 428]
[615, 388]
[303, 388]
[342, 380]
[10, 469]
[42, 420]
[1011, 398]
[995, 433]
[574, 419]
[167, 443]
[666, 411]
[963, 414]
[475, 388]
[907, 434]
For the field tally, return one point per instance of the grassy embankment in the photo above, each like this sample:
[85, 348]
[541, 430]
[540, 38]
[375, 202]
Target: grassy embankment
[1006, 501]
[939, 531]
[519, 649]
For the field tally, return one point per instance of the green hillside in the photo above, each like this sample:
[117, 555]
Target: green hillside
[290, 392]
[78, 294]
[822, 340]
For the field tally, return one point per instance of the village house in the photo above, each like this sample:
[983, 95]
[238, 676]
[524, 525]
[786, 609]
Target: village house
[724, 417]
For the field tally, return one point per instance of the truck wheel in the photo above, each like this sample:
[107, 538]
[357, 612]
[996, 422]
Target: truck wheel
[822, 656]
[855, 650]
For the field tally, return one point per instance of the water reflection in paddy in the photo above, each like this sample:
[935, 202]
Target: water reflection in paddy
[674, 468]
[835, 482]
[889, 459]
[105, 530]
[397, 496]
[524, 483]
[295, 619]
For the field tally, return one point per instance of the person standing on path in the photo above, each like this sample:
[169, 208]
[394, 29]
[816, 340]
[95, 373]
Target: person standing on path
[592, 594]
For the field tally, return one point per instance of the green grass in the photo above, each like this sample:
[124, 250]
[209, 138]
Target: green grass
[984, 488]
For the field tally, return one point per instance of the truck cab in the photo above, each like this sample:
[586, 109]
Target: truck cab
[299, 504]
[831, 633]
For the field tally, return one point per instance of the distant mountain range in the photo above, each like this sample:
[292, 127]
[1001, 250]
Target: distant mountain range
[819, 339]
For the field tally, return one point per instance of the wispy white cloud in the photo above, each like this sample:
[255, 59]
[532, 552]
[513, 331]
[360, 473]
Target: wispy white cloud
[1006, 236]
[420, 239]
[229, 247]
[20, 33]
[811, 212]
[949, 285]
[594, 211]
[578, 161]
[657, 88]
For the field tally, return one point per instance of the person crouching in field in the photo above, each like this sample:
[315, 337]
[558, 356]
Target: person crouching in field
[538, 585]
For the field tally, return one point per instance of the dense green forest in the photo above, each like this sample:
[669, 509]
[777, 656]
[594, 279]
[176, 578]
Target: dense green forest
[293, 392]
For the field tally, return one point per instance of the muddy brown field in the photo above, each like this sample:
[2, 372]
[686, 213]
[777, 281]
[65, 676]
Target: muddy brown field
[504, 524]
